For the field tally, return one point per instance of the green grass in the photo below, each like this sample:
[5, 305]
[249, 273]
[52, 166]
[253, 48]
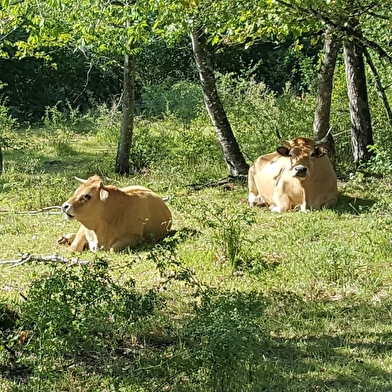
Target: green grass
[239, 300]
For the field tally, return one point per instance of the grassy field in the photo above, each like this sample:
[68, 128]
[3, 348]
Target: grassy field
[239, 299]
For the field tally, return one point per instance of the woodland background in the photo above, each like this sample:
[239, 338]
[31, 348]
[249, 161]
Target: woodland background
[155, 44]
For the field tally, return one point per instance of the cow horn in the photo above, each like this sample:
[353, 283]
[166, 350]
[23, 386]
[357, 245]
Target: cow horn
[324, 139]
[278, 134]
[281, 140]
[80, 180]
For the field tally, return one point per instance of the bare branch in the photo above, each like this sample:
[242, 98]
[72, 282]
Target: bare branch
[379, 86]
[41, 210]
[378, 15]
[27, 257]
[87, 81]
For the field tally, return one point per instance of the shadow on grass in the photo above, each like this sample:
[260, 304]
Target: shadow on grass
[71, 160]
[352, 205]
[234, 341]
[345, 359]
[226, 346]
[174, 238]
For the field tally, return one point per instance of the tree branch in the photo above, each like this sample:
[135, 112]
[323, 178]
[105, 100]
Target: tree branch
[41, 210]
[346, 30]
[379, 86]
[27, 257]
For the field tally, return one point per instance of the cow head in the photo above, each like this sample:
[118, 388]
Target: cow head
[302, 152]
[86, 199]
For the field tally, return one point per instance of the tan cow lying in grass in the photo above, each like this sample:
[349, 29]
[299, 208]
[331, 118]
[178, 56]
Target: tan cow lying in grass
[114, 218]
[298, 174]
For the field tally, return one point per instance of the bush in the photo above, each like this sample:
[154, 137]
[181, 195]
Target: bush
[61, 127]
[73, 312]
[224, 338]
[381, 162]
[8, 126]
[255, 114]
[183, 100]
[107, 123]
[230, 231]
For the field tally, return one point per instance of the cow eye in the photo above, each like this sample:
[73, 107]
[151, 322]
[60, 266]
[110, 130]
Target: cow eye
[313, 154]
[87, 196]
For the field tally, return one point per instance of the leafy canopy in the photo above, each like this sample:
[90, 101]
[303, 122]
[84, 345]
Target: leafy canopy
[104, 27]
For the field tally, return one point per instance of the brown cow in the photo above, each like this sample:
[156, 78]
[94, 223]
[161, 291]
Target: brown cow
[114, 218]
[298, 174]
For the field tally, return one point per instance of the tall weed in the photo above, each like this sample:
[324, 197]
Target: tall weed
[230, 229]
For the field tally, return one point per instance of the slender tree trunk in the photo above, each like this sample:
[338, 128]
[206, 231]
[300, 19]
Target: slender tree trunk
[1, 161]
[128, 113]
[361, 128]
[231, 151]
[326, 71]
[379, 86]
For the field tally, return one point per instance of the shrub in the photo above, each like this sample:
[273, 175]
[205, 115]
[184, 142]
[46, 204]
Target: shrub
[381, 162]
[107, 123]
[61, 126]
[72, 312]
[183, 100]
[8, 126]
[224, 338]
[230, 228]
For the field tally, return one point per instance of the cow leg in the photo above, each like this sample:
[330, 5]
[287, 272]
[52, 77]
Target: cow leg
[66, 239]
[92, 240]
[282, 203]
[254, 198]
[303, 207]
[80, 242]
[125, 242]
[330, 202]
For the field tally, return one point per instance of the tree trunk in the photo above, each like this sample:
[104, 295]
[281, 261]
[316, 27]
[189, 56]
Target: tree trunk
[322, 113]
[361, 128]
[231, 151]
[128, 112]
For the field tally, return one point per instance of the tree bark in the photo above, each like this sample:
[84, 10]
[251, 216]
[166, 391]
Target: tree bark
[326, 71]
[361, 128]
[128, 113]
[235, 161]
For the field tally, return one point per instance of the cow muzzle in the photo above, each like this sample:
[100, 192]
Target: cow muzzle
[300, 171]
[66, 208]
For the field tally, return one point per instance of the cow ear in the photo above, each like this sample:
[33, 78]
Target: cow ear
[103, 194]
[320, 151]
[282, 150]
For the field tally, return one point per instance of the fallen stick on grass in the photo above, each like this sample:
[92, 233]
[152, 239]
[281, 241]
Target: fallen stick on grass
[27, 257]
[41, 210]
[226, 182]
